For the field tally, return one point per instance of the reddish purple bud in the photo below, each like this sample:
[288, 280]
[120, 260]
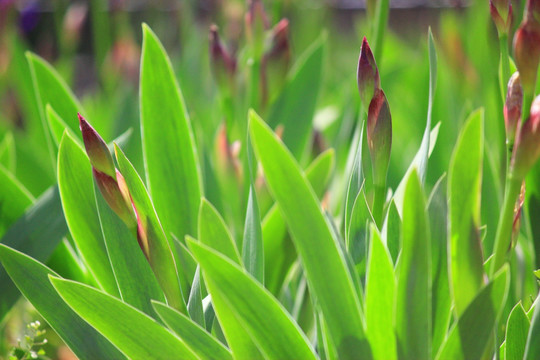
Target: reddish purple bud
[501, 13]
[118, 200]
[533, 7]
[527, 52]
[512, 107]
[279, 41]
[379, 136]
[222, 62]
[97, 149]
[256, 24]
[276, 61]
[367, 74]
[527, 145]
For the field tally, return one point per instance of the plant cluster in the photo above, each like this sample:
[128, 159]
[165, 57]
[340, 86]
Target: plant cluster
[251, 238]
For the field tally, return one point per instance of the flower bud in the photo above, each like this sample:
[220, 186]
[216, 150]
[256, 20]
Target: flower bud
[533, 7]
[501, 13]
[367, 74]
[379, 136]
[527, 145]
[512, 107]
[97, 149]
[276, 61]
[116, 196]
[222, 62]
[256, 24]
[527, 52]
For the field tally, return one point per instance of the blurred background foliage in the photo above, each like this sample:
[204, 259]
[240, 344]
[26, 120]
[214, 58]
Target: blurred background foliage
[95, 47]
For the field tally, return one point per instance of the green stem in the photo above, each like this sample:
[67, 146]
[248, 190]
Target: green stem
[378, 204]
[503, 236]
[505, 63]
[526, 110]
[381, 19]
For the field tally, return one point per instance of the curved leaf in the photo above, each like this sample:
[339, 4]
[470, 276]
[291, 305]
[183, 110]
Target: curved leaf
[170, 155]
[267, 322]
[325, 264]
[136, 334]
[31, 278]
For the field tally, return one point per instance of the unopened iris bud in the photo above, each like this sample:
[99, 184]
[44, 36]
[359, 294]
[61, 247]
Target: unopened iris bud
[276, 60]
[533, 6]
[119, 201]
[379, 136]
[527, 146]
[256, 25]
[97, 149]
[367, 75]
[222, 62]
[501, 13]
[512, 107]
[279, 46]
[527, 51]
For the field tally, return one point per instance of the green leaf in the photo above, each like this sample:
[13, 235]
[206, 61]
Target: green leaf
[201, 342]
[413, 310]
[279, 252]
[195, 305]
[214, 232]
[358, 231]
[36, 233]
[380, 298]
[400, 190]
[464, 189]
[356, 181]
[472, 332]
[162, 259]
[57, 126]
[392, 231]
[440, 289]
[8, 157]
[14, 199]
[252, 246]
[424, 146]
[31, 278]
[136, 281]
[79, 204]
[532, 349]
[325, 265]
[517, 328]
[295, 106]
[52, 89]
[136, 334]
[172, 168]
[266, 321]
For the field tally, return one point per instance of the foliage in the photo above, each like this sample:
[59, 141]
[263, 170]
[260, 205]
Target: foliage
[263, 210]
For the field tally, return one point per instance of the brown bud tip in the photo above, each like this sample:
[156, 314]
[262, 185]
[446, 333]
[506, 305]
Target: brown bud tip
[97, 149]
[379, 136]
[367, 74]
[527, 145]
[279, 40]
[501, 13]
[512, 107]
[527, 52]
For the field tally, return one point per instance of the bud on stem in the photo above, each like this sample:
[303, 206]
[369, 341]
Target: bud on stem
[512, 108]
[97, 149]
[379, 136]
[501, 13]
[367, 75]
[527, 145]
[256, 24]
[527, 51]
[222, 62]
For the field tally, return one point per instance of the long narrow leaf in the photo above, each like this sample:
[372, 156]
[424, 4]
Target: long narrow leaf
[267, 322]
[326, 269]
[464, 189]
[201, 342]
[136, 334]
[31, 278]
[77, 193]
[413, 310]
[471, 334]
[162, 259]
[171, 162]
